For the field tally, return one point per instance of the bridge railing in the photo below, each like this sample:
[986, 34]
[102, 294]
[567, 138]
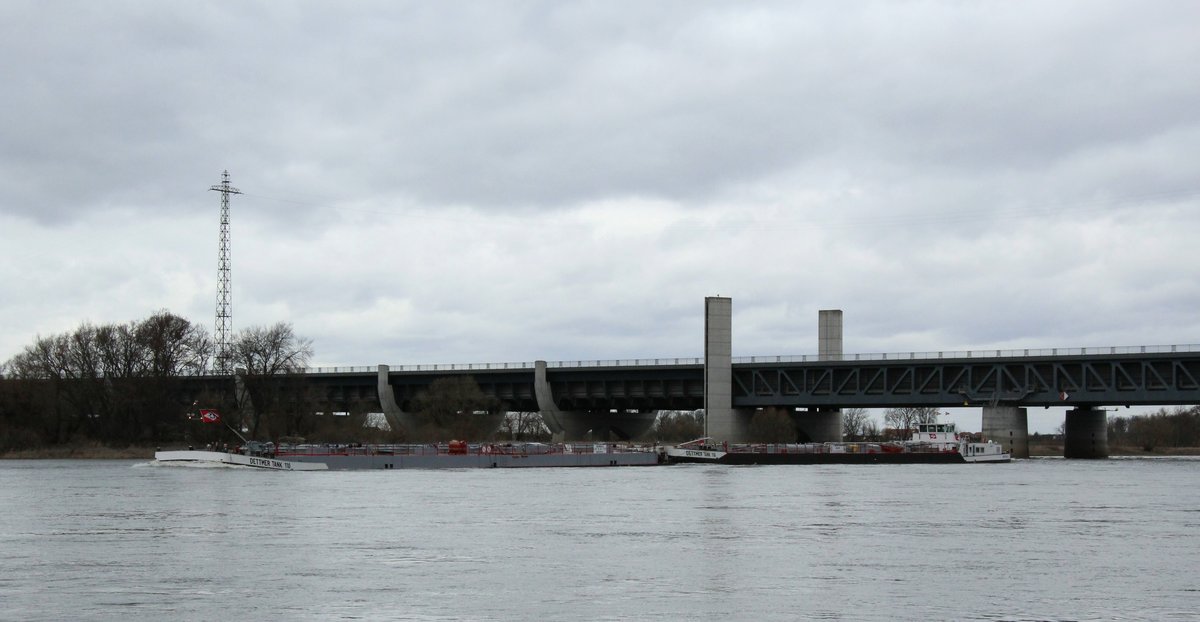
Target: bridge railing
[462, 366]
[971, 354]
[628, 362]
[427, 367]
[797, 358]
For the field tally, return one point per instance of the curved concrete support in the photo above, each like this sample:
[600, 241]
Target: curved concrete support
[396, 418]
[1009, 426]
[1086, 433]
[554, 418]
[820, 425]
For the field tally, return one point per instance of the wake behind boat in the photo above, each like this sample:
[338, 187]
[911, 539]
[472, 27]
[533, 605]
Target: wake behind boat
[930, 443]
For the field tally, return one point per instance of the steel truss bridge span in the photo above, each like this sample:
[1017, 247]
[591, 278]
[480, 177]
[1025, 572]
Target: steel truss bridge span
[1162, 378]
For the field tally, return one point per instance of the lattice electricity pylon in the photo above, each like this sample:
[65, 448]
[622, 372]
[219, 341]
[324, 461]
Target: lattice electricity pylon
[224, 297]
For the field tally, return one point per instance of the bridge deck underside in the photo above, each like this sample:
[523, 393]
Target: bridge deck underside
[630, 394]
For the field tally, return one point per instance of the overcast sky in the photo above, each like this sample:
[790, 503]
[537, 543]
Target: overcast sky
[437, 182]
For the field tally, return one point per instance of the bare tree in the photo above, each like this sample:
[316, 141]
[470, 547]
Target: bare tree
[271, 350]
[854, 421]
[521, 426]
[909, 417]
[174, 345]
[273, 358]
[870, 431]
[112, 383]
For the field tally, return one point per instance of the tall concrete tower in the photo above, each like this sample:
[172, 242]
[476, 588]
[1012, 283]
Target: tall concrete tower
[824, 425]
[721, 421]
[829, 334]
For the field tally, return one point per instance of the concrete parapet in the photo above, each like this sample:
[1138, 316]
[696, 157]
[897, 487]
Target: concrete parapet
[1086, 433]
[1009, 426]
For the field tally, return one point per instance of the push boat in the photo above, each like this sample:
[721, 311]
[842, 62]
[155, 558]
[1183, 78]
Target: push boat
[930, 443]
[452, 455]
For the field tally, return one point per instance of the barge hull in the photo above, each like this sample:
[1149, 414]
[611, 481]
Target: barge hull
[827, 458]
[336, 462]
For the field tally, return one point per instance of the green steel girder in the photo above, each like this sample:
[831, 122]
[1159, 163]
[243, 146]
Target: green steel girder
[1159, 379]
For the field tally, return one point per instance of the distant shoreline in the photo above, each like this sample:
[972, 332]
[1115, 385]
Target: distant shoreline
[1046, 451]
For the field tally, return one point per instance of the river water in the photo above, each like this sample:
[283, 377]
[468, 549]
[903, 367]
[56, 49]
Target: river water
[1046, 539]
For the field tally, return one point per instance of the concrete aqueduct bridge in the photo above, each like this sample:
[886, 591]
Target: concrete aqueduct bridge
[619, 398]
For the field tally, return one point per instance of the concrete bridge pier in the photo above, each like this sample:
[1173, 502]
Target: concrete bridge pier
[824, 425]
[396, 418]
[1009, 426]
[1086, 433]
[729, 425]
[820, 425]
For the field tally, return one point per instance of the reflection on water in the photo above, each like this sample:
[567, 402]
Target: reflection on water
[1035, 539]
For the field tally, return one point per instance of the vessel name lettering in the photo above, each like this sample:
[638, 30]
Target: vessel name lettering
[270, 464]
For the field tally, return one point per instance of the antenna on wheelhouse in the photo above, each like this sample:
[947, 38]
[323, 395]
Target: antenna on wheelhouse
[224, 297]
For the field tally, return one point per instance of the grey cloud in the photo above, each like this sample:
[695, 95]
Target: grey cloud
[935, 169]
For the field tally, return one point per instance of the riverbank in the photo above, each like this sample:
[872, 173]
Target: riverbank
[84, 452]
[1042, 450]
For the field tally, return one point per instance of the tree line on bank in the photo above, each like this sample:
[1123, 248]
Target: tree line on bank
[121, 384]
[124, 384]
[1178, 427]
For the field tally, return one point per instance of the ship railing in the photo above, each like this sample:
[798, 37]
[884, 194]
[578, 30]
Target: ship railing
[430, 449]
[833, 448]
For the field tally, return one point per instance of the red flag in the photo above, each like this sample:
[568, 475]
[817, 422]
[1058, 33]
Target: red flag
[210, 416]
